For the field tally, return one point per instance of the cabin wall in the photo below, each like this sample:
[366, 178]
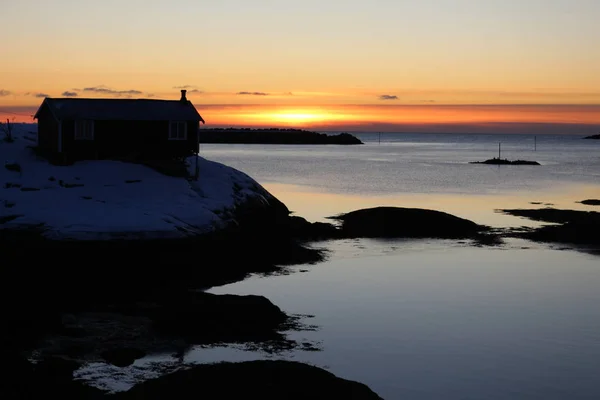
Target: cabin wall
[193, 138]
[128, 139]
[48, 129]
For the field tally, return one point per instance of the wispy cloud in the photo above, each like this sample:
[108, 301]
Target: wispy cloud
[195, 91]
[69, 94]
[37, 94]
[112, 92]
[253, 93]
[5, 92]
[185, 87]
[388, 97]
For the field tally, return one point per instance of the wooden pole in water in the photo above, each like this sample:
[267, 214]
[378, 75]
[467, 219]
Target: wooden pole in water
[499, 150]
[535, 143]
[379, 137]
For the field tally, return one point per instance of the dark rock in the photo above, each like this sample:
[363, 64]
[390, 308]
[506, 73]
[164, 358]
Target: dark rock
[575, 227]
[591, 202]
[122, 357]
[397, 222]
[207, 318]
[300, 228]
[51, 377]
[504, 161]
[265, 380]
[274, 136]
[555, 215]
[593, 137]
[13, 167]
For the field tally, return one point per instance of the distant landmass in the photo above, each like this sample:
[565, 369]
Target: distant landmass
[504, 161]
[593, 137]
[273, 136]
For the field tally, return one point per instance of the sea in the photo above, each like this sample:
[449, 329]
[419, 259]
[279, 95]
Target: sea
[435, 319]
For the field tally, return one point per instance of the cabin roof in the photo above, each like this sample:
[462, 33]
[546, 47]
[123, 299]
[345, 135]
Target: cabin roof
[121, 109]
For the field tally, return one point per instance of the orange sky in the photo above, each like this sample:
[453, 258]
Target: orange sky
[445, 65]
[506, 118]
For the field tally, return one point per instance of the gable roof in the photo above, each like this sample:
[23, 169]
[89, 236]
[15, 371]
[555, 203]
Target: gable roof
[121, 109]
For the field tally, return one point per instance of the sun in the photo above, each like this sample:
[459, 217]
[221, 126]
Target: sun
[297, 117]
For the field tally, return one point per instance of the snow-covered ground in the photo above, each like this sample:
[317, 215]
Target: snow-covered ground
[108, 199]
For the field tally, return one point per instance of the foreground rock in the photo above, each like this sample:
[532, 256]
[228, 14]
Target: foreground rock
[397, 222]
[264, 380]
[204, 318]
[504, 161]
[574, 227]
[591, 202]
[593, 137]
[274, 136]
[48, 378]
[121, 332]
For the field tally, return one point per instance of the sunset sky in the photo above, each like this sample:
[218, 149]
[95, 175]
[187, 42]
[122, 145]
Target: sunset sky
[380, 65]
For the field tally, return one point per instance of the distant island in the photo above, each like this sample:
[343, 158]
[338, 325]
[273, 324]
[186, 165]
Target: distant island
[273, 136]
[593, 137]
[504, 161]
[591, 202]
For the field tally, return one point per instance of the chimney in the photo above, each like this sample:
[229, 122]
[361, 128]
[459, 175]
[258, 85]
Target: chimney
[183, 98]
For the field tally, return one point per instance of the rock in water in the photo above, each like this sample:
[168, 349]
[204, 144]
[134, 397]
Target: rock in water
[398, 222]
[591, 202]
[265, 380]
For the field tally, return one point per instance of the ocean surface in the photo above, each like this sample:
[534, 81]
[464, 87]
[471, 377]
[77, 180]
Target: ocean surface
[433, 319]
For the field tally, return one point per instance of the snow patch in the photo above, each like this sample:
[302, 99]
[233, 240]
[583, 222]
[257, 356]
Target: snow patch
[108, 199]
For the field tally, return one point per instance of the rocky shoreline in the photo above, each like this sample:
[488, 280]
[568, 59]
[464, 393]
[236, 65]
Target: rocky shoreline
[68, 303]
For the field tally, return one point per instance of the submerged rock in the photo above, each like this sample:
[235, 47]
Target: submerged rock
[265, 380]
[400, 222]
[574, 227]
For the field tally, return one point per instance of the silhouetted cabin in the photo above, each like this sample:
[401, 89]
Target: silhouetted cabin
[71, 129]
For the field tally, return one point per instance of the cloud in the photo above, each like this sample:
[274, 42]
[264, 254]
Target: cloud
[40, 95]
[184, 87]
[112, 92]
[69, 94]
[253, 93]
[388, 97]
[195, 91]
[5, 92]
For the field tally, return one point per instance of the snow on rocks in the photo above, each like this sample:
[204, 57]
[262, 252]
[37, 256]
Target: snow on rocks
[112, 199]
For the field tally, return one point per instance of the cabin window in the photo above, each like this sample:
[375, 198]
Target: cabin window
[84, 129]
[177, 130]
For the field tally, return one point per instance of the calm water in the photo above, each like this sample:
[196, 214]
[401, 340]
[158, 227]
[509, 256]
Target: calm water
[428, 319]
[433, 319]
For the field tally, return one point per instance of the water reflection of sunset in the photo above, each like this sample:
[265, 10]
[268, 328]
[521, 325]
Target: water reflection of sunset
[316, 204]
